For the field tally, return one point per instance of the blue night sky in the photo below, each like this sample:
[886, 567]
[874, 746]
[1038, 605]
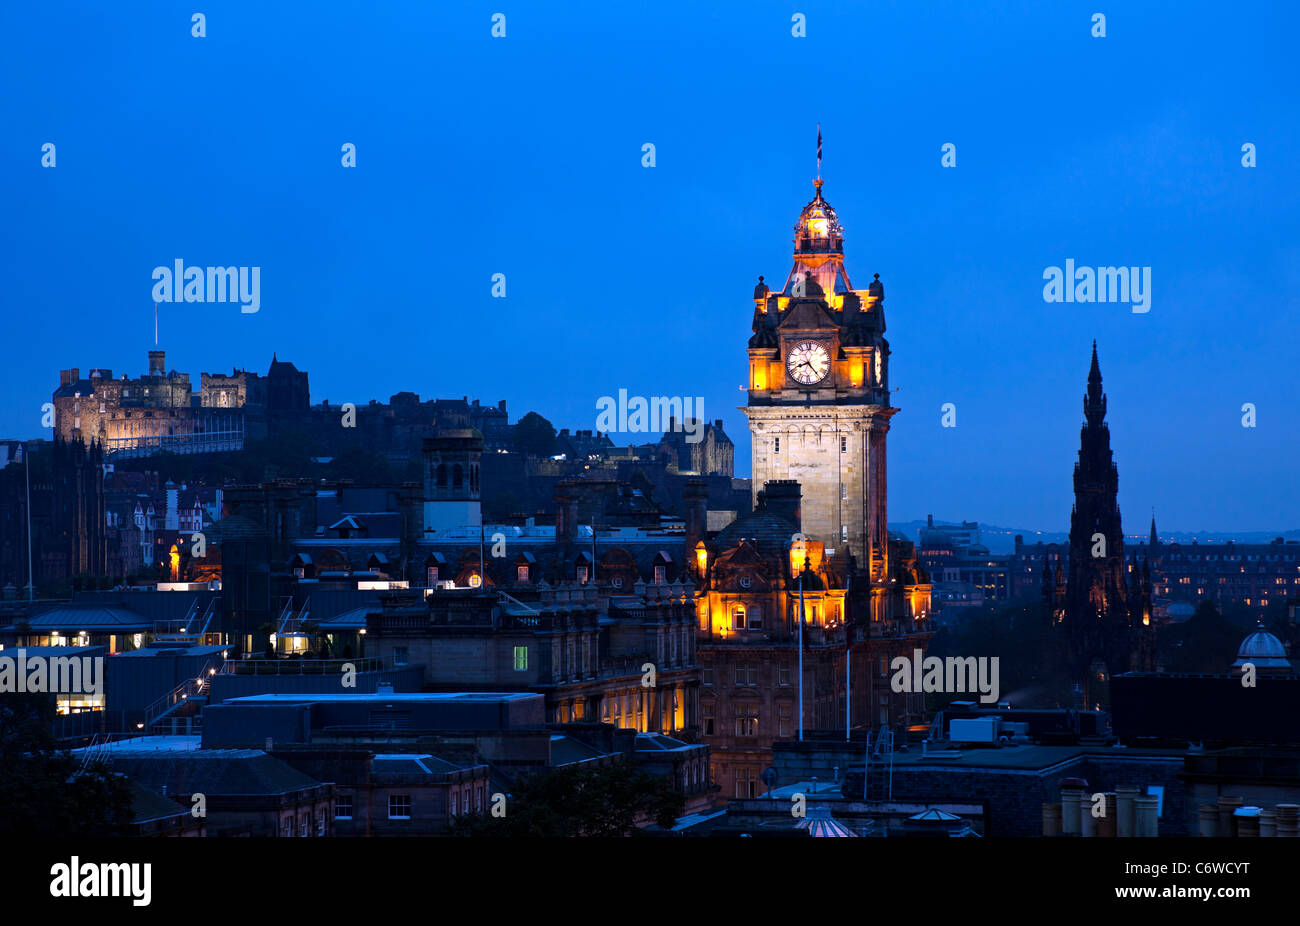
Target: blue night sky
[522, 156]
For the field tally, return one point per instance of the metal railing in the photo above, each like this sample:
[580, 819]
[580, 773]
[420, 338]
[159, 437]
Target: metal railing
[294, 666]
[190, 688]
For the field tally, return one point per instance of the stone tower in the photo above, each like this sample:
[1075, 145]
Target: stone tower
[818, 387]
[451, 480]
[1106, 610]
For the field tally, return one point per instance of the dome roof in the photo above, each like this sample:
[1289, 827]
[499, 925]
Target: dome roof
[818, 227]
[1262, 650]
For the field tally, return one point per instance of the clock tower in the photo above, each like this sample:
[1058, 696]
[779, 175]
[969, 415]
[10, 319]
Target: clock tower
[818, 387]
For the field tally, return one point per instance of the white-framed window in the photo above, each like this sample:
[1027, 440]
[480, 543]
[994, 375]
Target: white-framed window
[400, 655]
[661, 575]
[844, 445]
[399, 806]
[738, 617]
[776, 445]
[452, 806]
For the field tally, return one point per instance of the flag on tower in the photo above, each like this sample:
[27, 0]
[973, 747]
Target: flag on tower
[819, 150]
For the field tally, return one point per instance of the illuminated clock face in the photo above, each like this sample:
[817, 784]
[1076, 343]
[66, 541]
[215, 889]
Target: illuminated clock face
[808, 363]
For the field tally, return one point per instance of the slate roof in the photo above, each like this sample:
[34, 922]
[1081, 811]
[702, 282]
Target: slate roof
[147, 806]
[114, 618]
[235, 528]
[770, 532]
[402, 764]
[210, 771]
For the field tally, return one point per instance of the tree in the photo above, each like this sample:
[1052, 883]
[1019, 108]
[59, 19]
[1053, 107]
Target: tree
[361, 464]
[43, 790]
[577, 800]
[1206, 642]
[1037, 676]
[534, 435]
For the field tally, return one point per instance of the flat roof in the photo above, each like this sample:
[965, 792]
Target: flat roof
[177, 743]
[1025, 758]
[407, 696]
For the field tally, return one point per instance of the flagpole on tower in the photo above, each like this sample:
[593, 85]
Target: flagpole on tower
[155, 322]
[819, 151]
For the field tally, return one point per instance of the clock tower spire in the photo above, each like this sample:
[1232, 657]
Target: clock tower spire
[818, 404]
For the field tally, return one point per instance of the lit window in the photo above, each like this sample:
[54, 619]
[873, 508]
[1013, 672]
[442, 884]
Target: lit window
[661, 575]
[747, 719]
[521, 659]
[521, 575]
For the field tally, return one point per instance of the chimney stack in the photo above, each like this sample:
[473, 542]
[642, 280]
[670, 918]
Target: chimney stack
[783, 499]
[696, 495]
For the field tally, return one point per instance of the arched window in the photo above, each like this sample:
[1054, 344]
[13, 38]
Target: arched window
[738, 617]
[442, 475]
